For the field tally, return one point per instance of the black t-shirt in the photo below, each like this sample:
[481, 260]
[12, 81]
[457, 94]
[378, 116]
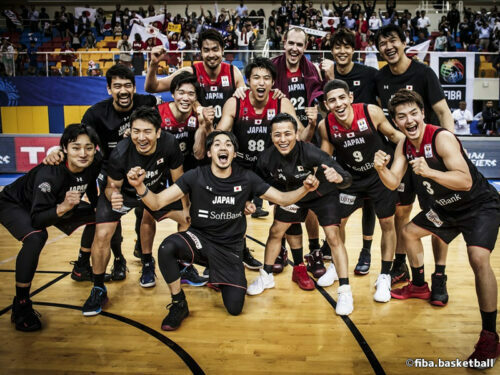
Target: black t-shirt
[45, 186]
[361, 81]
[419, 78]
[217, 205]
[110, 124]
[167, 156]
[287, 172]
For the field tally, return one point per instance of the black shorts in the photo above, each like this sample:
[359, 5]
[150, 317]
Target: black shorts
[224, 263]
[326, 208]
[406, 189]
[479, 226]
[371, 187]
[17, 219]
[106, 214]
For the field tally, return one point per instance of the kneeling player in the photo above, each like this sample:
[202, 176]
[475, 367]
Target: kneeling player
[460, 200]
[50, 195]
[219, 193]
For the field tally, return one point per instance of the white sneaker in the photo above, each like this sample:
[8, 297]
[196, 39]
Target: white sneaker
[383, 285]
[329, 277]
[344, 302]
[264, 281]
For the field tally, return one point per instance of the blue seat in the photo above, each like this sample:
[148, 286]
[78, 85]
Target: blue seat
[239, 64]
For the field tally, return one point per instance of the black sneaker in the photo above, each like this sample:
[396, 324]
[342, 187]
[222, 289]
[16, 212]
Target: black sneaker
[249, 261]
[119, 270]
[147, 279]
[439, 294]
[190, 275]
[178, 311]
[137, 250]
[94, 304]
[206, 273]
[81, 273]
[281, 260]
[259, 212]
[364, 260]
[315, 263]
[399, 273]
[24, 316]
[327, 252]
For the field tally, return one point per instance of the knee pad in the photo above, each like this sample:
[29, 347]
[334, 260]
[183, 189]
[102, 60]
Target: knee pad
[88, 236]
[294, 230]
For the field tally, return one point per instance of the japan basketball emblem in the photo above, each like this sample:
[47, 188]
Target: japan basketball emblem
[270, 114]
[192, 122]
[428, 151]
[225, 81]
[362, 125]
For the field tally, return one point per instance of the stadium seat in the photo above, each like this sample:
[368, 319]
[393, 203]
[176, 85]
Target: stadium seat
[381, 64]
[238, 64]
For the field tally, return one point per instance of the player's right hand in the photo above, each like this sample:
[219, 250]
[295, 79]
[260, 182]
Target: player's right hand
[311, 183]
[208, 115]
[54, 158]
[116, 198]
[327, 66]
[158, 54]
[72, 199]
[250, 208]
[136, 176]
[381, 160]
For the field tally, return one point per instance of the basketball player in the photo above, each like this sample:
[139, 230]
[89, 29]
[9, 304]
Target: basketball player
[285, 165]
[460, 201]
[50, 195]
[361, 81]
[158, 153]
[218, 194]
[403, 72]
[111, 120]
[351, 131]
[218, 80]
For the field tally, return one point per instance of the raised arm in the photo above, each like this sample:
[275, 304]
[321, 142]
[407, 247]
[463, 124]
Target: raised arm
[444, 115]
[152, 84]
[311, 183]
[383, 125]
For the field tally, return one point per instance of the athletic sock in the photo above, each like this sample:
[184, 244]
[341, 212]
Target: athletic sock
[399, 259]
[147, 258]
[313, 243]
[367, 244]
[297, 256]
[343, 281]
[83, 258]
[439, 270]
[22, 292]
[268, 268]
[489, 320]
[386, 267]
[178, 297]
[98, 280]
[417, 276]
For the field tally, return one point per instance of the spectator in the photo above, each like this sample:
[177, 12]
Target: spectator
[117, 17]
[441, 41]
[76, 32]
[374, 24]
[490, 117]
[84, 21]
[117, 30]
[451, 45]
[32, 58]
[350, 23]
[371, 56]
[100, 21]
[453, 17]
[423, 24]
[484, 36]
[242, 10]
[125, 47]
[462, 117]
[138, 58]
[421, 38]
[90, 40]
[34, 19]
[443, 24]
[326, 43]
[272, 36]
[243, 40]
[369, 8]
[8, 52]
[67, 58]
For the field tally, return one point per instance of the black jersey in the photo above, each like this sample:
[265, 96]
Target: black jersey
[253, 130]
[443, 198]
[217, 205]
[361, 81]
[287, 172]
[356, 146]
[419, 78]
[167, 156]
[45, 186]
[110, 124]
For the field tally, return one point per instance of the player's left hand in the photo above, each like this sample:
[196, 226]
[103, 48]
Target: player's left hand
[278, 94]
[311, 183]
[126, 134]
[420, 167]
[250, 208]
[312, 115]
[332, 175]
[241, 92]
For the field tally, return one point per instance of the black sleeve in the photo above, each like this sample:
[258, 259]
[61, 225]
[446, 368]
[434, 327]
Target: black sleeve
[187, 180]
[88, 118]
[175, 156]
[434, 90]
[258, 185]
[262, 169]
[44, 206]
[116, 165]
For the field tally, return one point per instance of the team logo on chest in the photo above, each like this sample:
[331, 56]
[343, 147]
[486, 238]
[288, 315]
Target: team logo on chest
[168, 122]
[294, 79]
[258, 121]
[270, 114]
[159, 161]
[428, 151]
[213, 88]
[357, 83]
[350, 135]
[192, 122]
[409, 87]
[362, 125]
[225, 81]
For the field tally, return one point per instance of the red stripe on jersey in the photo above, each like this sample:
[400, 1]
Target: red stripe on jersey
[289, 74]
[247, 111]
[222, 80]
[357, 122]
[169, 122]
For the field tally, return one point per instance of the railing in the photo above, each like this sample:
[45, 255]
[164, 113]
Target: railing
[185, 57]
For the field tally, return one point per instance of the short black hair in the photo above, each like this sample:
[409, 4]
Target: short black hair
[344, 36]
[211, 34]
[387, 30]
[260, 62]
[148, 114]
[182, 78]
[284, 117]
[120, 71]
[211, 137]
[72, 131]
[404, 96]
[336, 84]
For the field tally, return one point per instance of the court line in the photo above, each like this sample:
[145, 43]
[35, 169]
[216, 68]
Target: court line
[181, 353]
[370, 355]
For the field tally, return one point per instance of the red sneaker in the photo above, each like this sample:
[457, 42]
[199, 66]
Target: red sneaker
[412, 291]
[301, 277]
[486, 350]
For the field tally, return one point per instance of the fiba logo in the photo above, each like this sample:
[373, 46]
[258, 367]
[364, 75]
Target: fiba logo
[452, 71]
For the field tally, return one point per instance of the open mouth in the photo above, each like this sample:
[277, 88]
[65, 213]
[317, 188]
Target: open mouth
[283, 146]
[412, 130]
[341, 111]
[143, 146]
[124, 99]
[391, 53]
[223, 157]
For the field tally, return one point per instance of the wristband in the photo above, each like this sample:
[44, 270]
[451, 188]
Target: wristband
[144, 194]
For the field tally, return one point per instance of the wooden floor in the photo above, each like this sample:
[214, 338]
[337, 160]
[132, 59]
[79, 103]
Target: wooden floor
[284, 330]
